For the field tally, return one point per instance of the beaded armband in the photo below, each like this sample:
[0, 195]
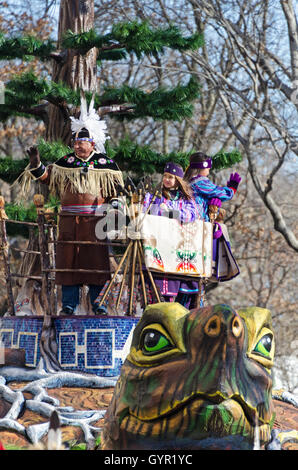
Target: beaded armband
[38, 172]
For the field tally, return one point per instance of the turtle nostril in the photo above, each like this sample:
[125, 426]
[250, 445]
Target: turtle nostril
[237, 327]
[213, 326]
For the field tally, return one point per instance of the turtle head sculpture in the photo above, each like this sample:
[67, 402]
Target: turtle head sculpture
[196, 379]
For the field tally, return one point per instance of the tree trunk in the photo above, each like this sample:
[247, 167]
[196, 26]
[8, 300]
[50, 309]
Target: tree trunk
[76, 71]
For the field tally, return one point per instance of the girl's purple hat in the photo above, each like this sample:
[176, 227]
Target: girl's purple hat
[174, 169]
[205, 164]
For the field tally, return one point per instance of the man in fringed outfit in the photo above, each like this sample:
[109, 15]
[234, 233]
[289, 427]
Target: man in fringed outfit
[84, 180]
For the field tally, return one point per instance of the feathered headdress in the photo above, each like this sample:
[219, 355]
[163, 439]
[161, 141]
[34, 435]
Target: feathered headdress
[100, 174]
[90, 120]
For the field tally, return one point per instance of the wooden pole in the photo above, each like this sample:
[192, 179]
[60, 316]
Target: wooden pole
[142, 278]
[4, 251]
[38, 200]
[148, 272]
[199, 296]
[132, 283]
[115, 273]
[123, 279]
[52, 262]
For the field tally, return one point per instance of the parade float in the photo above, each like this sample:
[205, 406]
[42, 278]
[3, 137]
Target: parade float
[117, 352]
[92, 343]
[75, 367]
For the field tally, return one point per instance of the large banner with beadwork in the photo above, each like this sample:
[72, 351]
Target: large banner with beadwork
[176, 248]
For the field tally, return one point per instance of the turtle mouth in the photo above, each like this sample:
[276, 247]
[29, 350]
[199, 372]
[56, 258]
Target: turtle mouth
[201, 422]
[234, 405]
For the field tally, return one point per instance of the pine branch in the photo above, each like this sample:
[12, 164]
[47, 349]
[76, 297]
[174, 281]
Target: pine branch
[26, 213]
[111, 53]
[222, 160]
[52, 151]
[26, 48]
[141, 39]
[24, 93]
[124, 37]
[141, 159]
[10, 169]
[134, 37]
[174, 104]
[85, 41]
[21, 213]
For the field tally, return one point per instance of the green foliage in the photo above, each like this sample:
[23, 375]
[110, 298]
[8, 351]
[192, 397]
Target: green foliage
[141, 39]
[26, 94]
[79, 446]
[133, 36]
[85, 41]
[25, 213]
[25, 48]
[160, 104]
[52, 151]
[141, 159]
[21, 94]
[111, 54]
[26, 91]
[10, 169]
[223, 159]
[20, 212]
[75, 445]
[14, 447]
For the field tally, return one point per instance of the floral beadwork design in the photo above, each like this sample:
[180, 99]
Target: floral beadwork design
[77, 162]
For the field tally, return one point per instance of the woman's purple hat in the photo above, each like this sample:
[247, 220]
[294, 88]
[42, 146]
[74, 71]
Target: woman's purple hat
[174, 169]
[205, 164]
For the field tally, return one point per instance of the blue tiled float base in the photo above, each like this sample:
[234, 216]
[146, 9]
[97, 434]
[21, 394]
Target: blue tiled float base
[96, 345]
[22, 332]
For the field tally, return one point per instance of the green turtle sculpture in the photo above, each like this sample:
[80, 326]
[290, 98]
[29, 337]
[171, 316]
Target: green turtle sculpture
[198, 379]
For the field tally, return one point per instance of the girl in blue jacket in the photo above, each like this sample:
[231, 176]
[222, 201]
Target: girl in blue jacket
[203, 189]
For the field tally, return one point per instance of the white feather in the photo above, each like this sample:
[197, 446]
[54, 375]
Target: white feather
[90, 120]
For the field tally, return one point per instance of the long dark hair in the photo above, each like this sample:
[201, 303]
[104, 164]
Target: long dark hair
[197, 157]
[183, 187]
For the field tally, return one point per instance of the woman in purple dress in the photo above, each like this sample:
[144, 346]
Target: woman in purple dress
[177, 201]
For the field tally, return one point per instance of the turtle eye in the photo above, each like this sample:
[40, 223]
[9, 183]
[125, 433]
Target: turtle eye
[264, 346]
[155, 342]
